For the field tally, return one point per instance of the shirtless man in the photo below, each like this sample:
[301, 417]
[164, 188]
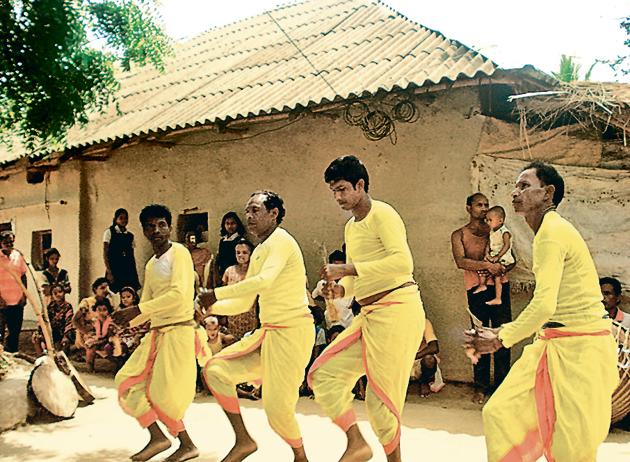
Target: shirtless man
[468, 245]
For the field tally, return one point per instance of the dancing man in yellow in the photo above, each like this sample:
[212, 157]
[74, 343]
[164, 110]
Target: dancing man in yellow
[278, 352]
[158, 380]
[382, 341]
[556, 400]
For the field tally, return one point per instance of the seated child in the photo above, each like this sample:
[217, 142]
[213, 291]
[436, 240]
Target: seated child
[425, 367]
[84, 317]
[217, 340]
[130, 336]
[60, 317]
[499, 249]
[102, 339]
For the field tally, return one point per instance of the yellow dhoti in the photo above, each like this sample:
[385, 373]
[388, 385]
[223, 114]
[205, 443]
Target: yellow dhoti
[381, 343]
[158, 381]
[556, 400]
[274, 355]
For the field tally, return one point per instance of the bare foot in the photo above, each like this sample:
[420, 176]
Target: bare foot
[481, 288]
[425, 390]
[241, 450]
[184, 452]
[153, 448]
[494, 302]
[357, 451]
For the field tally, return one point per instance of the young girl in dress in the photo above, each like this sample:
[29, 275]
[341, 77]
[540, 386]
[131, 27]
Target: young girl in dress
[102, 340]
[130, 336]
[52, 275]
[240, 324]
[60, 317]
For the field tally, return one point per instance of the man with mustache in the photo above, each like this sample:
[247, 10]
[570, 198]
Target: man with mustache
[277, 353]
[556, 399]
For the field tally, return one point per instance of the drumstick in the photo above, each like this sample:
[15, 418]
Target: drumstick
[331, 309]
[36, 309]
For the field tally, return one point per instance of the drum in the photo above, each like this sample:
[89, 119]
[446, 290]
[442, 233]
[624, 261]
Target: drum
[621, 396]
[51, 389]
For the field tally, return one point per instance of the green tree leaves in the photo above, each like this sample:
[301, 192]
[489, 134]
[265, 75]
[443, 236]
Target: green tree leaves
[53, 75]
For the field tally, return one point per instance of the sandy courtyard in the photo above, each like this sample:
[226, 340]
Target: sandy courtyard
[436, 429]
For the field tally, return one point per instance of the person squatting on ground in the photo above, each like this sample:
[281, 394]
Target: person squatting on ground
[556, 400]
[498, 250]
[611, 294]
[277, 353]
[426, 369]
[157, 383]
[102, 340]
[378, 273]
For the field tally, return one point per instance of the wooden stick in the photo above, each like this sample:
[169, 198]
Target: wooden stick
[331, 309]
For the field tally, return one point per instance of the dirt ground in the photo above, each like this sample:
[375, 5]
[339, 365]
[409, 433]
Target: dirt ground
[446, 426]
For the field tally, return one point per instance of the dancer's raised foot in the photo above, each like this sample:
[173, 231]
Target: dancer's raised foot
[154, 447]
[241, 450]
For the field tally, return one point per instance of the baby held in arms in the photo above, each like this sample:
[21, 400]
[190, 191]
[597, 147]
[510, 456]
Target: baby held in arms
[498, 250]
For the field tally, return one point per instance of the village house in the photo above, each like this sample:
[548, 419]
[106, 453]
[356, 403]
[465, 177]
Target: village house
[269, 101]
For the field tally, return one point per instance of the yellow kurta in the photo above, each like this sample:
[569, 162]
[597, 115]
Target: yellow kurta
[382, 341]
[158, 381]
[278, 352]
[556, 399]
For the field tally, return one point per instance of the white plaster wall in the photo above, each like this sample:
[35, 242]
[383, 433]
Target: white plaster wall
[25, 206]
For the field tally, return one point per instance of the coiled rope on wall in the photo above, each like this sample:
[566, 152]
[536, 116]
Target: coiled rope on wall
[378, 119]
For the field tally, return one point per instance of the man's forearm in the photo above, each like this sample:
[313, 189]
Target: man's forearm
[471, 265]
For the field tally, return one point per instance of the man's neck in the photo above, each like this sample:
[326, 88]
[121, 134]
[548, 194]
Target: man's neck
[7, 252]
[535, 218]
[478, 224]
[162, 248]
[613, 312]
[363, 207]
[263, 237]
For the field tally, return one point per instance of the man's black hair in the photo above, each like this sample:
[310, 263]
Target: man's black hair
[272, 201]
[470, 199]
[337, 255]
[616, 285]
[98, 281]
[155, 211]
[549, 176]
[347, 168]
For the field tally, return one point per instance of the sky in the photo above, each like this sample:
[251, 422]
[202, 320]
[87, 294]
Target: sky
[512, 34]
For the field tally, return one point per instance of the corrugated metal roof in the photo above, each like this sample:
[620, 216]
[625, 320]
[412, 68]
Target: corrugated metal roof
[297, 55]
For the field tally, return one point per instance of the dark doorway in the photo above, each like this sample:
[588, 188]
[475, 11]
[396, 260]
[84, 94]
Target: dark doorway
[192, 222]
